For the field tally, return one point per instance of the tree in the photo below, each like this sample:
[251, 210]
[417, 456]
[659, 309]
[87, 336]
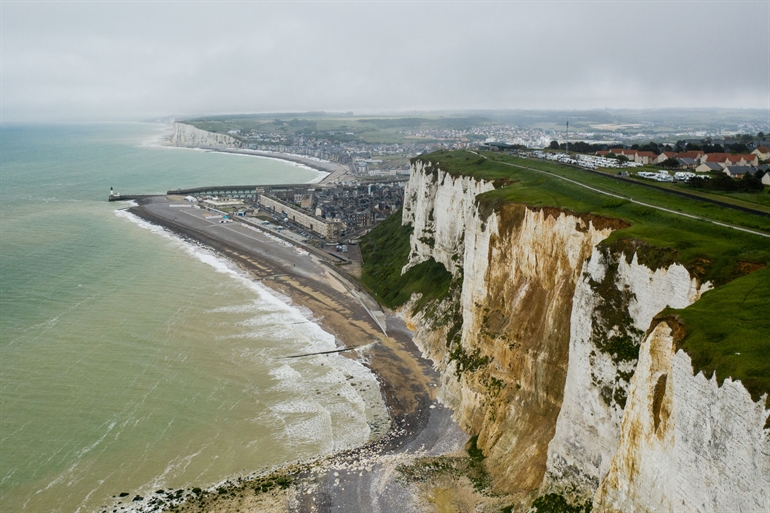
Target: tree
[554, 145]
[622, 158]
[721, 182]
[760, 135]
[738, 148]
[670, 163]
[749, 183]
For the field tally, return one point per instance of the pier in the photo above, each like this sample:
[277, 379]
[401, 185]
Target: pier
[127, 197]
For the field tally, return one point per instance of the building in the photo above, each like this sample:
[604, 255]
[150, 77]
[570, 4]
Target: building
[665, 156]
[220, 204]
[645, 157]
[708, 167]
[739, 171]
[728, 159]
[763, 152]
[326, 229]
[695, 155]
[687, 163]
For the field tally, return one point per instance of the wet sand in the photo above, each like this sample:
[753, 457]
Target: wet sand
[365, 478]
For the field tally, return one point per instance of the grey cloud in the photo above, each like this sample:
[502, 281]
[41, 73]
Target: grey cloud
[71, 60]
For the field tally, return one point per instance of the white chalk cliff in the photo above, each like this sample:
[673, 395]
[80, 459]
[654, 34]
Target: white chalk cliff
[543, 355]
[189, 136]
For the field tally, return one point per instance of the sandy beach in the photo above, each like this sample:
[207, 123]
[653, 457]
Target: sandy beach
[335, 172]
[363, 479]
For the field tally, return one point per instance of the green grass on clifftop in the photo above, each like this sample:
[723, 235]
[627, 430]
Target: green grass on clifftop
[728, 332]
[385, 251]
[711, 252]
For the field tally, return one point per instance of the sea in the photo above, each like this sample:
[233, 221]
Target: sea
[132, 360]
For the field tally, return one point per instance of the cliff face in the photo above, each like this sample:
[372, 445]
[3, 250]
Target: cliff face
[441, 236]
[543, 354]
[190, 137]
[686, 443]
[614, 304]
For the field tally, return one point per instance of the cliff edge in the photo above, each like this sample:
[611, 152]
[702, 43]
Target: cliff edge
[188, 136]
[553, 350]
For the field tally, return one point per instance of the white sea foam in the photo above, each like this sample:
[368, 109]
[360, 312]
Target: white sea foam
[349, 409]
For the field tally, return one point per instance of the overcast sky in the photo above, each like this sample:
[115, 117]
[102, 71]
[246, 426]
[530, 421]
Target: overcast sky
[132, 60]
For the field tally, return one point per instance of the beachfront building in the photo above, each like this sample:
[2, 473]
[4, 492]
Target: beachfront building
[223, 204]
[326, 229]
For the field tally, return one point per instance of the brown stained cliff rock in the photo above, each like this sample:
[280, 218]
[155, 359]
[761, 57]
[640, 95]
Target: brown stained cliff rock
[657, 399]
[598, 222]
[523, 329]
[647, 415]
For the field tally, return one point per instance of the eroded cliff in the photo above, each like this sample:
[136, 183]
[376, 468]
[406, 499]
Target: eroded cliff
[542, 349]
[189, 136]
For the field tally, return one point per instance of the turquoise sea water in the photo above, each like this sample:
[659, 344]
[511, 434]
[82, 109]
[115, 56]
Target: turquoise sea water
[130, 360]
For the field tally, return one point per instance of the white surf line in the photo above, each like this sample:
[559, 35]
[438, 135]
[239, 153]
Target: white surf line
[333, 273]
[632, 200]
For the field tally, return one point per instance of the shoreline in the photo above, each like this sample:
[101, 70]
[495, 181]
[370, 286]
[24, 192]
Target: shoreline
[333, 172]
[406, 380]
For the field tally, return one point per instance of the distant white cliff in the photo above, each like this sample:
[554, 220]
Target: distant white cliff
[189, 136]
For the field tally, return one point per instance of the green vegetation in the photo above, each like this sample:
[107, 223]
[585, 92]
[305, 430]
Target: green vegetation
[465, 361]
[752, 200]
[721, 182]
[275, 480]
[728, 332]
[385, 251]
[337, 127]
[711, 252]
[554, 503]
[472, 467]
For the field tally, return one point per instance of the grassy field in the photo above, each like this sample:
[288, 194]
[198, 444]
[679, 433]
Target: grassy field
[385, 251]
[381, 129]
[758, 200]
[727, 331]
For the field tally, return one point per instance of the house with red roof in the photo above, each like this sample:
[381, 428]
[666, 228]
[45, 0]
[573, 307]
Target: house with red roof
[695, 155]
[727, 159]
[665, 156]
[644, 157]
[763, 152]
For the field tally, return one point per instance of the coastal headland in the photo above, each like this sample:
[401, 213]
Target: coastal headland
[357, 479]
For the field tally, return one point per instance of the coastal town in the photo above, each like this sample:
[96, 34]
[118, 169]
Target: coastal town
[264, 256]
[367, 182]
[323, 244]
